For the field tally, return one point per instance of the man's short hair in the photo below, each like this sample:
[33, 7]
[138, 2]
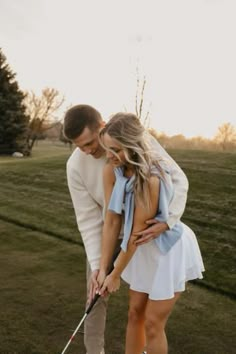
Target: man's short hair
[79, 117]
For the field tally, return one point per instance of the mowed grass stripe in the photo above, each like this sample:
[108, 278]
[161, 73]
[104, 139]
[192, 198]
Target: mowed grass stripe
[210, 211]
[43, 297]
[42, 291]
[29, 188]
[34, 192]
[41, 230]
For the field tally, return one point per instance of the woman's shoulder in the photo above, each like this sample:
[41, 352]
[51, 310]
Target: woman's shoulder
[108, 172]
[153, 182]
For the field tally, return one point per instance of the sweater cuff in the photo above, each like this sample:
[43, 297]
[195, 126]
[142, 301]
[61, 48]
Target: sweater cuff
[95, 264]
[171, 222]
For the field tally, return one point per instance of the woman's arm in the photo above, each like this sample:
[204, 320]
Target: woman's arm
[112, 223]
[141, 214]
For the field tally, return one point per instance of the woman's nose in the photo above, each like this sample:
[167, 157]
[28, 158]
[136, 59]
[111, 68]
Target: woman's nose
[109, 154]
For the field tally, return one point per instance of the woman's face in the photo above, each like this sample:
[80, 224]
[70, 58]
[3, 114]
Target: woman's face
[115, 154]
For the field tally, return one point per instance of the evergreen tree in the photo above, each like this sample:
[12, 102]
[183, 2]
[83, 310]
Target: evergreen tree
[13, 119]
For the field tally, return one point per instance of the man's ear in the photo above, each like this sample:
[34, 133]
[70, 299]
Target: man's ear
[102, 125]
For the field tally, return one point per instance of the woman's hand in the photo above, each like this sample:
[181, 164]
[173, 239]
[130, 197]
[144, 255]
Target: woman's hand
[110, 285]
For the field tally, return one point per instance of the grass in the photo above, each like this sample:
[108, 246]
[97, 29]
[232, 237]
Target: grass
[34, 192]
[211, 210]
[43, 292]
[43, 296]
[43, 263]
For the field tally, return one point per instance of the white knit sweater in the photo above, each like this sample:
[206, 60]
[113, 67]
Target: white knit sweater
[85, 181]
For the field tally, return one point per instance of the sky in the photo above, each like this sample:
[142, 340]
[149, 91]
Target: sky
[90, 51]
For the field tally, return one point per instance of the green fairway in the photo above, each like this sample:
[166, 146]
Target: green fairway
[211, 210]
[43, 295]
[43, 263]
[34, 192]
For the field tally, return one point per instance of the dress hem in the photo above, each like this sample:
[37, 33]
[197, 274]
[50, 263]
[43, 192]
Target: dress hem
[168, 297]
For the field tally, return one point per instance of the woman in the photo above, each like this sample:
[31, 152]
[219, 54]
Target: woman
[138, 187]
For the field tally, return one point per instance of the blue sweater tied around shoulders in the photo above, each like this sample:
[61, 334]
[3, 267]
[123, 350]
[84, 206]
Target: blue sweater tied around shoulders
[122, 198]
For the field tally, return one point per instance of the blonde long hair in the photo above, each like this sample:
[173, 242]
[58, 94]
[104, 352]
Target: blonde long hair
[127, 129]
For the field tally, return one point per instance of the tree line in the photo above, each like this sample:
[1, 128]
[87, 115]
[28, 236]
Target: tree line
[224, 140]
[26, 117]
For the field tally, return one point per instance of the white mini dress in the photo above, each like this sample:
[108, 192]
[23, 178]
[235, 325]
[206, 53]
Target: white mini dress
[162, 275]
[161, 267]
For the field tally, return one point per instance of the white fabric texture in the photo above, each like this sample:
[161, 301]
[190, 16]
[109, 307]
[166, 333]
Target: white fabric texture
[160, 276]
[85, 182]
[179, 180]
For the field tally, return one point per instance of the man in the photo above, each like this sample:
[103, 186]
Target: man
[85, 180]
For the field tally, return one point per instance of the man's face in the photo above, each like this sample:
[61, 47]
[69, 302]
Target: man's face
[89, 144]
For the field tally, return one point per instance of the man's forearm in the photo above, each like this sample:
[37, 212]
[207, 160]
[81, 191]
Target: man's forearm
[180, 183]
[178, 202]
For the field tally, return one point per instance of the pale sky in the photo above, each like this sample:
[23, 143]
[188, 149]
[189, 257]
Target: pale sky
[89, 51]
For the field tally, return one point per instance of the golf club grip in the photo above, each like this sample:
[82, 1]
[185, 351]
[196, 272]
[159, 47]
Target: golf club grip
[96, 297]
[92, 303]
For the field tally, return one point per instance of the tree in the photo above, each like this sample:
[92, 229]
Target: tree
[41, 111]
[13, 117]
[226, 136]
[139, 100]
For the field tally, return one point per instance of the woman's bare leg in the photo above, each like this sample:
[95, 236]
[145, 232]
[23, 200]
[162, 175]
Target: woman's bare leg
[135, 332]
[157, 313]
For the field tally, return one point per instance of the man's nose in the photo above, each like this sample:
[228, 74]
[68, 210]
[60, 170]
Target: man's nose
[87, 151]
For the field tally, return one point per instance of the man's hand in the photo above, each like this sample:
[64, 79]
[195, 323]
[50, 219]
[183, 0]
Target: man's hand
[101, 277]
[151, 232]
[93, 285]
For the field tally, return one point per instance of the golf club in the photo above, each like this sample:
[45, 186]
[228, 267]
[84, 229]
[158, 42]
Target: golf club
[89, 308]
[82, 321]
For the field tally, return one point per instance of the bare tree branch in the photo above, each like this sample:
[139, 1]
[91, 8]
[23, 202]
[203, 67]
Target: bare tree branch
[226, 135]
[142, 98]
[139, 100]
[41, 111]
[137, 92]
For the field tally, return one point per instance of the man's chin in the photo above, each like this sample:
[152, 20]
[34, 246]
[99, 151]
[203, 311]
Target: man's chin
[97, 154]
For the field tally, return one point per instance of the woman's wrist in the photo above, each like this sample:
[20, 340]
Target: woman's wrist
[115, 273]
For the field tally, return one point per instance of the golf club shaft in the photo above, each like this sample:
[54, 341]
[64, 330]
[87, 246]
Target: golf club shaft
[74, 333]
[89, 308]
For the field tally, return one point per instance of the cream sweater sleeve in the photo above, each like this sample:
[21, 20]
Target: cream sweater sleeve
[88, 216]
[180, 182]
